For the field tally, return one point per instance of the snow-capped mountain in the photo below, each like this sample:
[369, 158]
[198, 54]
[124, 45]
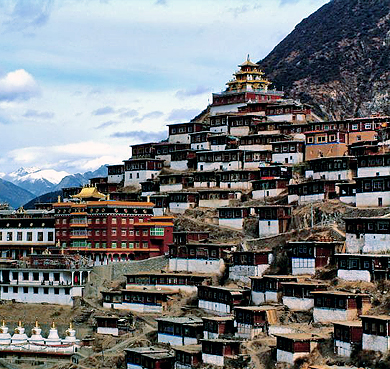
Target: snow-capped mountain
[36, 180]
[33, 174]
[41, 181]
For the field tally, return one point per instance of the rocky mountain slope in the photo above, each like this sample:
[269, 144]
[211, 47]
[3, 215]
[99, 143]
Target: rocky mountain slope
[337, 59]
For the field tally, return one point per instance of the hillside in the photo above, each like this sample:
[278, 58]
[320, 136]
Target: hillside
[337, 59]
[14, 195]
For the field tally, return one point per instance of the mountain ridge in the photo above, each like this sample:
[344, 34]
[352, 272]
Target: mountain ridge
[337, 59]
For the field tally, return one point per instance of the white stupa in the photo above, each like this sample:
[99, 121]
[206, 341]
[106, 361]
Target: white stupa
[5, 337]
[19, 339]
[70, 335]
[36, 340]
[53, 339]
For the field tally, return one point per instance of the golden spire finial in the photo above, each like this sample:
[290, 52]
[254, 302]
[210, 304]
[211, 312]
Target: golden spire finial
[247, 58]
[19, 323]
[53, 325]
[70, 325]
[36, 323]
[3, 323]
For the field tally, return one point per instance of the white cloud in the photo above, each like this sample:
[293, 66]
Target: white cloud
[74, 157]
[18, 85]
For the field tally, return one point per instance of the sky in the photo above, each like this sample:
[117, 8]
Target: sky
[82, 80]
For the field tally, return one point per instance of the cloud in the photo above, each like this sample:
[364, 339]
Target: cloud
[161, 2]
[18, 85]
[244, 9]
[129, 113]
[104, 111]
[141, 135]
[286, 2]
[183, 114]
[182, 94]
[72, 157]
[29, 14]
[152, 115]
[108, 124]
[36, 114]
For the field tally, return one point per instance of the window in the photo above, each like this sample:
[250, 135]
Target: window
[63, 221]
[157, 231]
[15, 289]
[321, 139]
[113, 221]
[131, 245]
[45, 290]
[145, 245]
[19, 236]
[113, 245]
[131, 233]
[35, 276]
[123, 221]
[113, 232]
[25, 276]
[56, 291]
[145, 232]
[355, 127]
[50, 236]
[123, 232]
[25, 289]
[123, 245]
[35, 290]
[40, 236]
[9, 236]
[5, 289]
[57, 277]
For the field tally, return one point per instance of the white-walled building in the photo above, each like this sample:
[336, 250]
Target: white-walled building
[54, 279]
[298, 295]
[179, 331]
[222, 299]
[269, 288]
[198, 257]
[347, 337]
[288, 152]
[292, 346]
[140, 170]
[115, 173]
[331, 306]
[309, 256]
[181, 132]
[232, 217]
[332, 168]
[24, 232]
[367, 234]
[376, 333]
[250, 264]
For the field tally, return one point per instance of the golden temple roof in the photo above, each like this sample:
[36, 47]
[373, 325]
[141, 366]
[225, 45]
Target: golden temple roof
[248, 62]
[248, 78]
[88, 193]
